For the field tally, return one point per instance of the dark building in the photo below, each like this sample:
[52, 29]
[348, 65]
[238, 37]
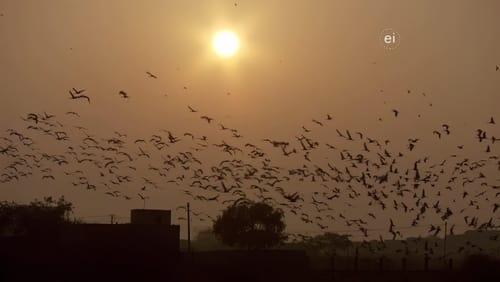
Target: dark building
[143, 216]
[148, 247]
[148, 237]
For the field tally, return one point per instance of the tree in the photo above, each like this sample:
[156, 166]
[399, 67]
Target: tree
[251, 225]
[35, 219]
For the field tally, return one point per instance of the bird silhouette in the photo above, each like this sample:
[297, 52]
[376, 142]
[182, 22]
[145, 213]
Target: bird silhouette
[208, 119]
[151, 75]
[78, 95]
[123, 94]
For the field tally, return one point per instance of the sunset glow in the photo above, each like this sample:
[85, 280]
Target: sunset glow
[225, 43]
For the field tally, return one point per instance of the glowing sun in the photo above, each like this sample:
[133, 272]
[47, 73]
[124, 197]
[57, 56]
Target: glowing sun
[225, 43]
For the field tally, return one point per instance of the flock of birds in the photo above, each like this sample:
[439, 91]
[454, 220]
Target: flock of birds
[351, 180]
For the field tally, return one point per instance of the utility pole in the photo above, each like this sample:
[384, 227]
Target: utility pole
[189, 227]
[444, 243]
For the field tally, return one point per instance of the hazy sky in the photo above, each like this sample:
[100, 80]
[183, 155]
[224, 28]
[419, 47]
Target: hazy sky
[298, 60]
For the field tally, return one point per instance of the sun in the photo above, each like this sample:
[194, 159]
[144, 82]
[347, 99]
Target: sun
[225, 43]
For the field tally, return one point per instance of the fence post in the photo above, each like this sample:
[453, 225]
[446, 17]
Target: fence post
[444, 241]
[332, 262]
[356, 259]
[426, 262]
[188, 211]
[381, 263]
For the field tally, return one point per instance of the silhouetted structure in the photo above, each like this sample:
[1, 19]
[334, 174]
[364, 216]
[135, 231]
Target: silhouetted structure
[147, 216]
[148, 247]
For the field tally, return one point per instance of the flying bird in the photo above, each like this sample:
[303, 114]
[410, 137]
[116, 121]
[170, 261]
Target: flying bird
[208, 119]
[78, 95]
[151, 75]
[437, 133]
[317, 122]
[446, 129]
[123, 94]
[73, 113]
[78, 91]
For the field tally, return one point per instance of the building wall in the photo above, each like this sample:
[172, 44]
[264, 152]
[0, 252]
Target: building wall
[143, 216]
[120, 243]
